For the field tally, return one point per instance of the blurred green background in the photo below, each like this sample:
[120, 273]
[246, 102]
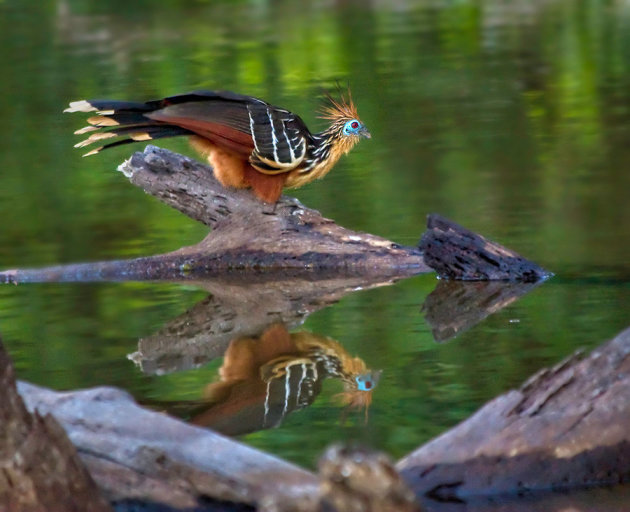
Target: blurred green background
[512, 118]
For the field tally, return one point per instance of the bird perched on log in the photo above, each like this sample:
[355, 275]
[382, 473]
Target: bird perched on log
[248, 142]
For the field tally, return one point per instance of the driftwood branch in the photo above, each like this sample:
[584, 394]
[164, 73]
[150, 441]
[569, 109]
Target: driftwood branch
[455, 252]
[134, 453]
[246, 234]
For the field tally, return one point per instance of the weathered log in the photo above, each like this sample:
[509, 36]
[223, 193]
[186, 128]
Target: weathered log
[134, 453]
[39, 467]
[248, 235]
[137, 454]
[566, 427]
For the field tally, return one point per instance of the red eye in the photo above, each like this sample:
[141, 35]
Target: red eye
[355, 125]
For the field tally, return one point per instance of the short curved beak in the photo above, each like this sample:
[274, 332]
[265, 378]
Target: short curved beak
[363, 132]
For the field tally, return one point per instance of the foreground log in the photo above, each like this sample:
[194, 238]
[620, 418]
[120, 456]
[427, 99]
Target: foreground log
[248, 236]
[566, 427]
[39, 467]
[136, 454]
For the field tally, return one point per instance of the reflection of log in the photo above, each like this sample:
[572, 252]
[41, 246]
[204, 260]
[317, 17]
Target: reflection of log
[39, 466]
[246, 235]
[456, 306]
[239, 307]
[566, 427]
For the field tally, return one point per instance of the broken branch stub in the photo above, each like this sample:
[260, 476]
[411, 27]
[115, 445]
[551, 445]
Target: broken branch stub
[455, 252]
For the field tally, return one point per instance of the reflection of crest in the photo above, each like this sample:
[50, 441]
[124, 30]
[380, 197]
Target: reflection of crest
[262, 380]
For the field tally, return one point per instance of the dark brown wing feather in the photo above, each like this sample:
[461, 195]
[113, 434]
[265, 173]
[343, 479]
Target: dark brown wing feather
[280, 138]
[273, 139]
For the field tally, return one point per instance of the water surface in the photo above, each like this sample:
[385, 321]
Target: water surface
[512, 119]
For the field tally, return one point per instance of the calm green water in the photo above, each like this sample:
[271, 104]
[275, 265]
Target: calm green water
[510, 118]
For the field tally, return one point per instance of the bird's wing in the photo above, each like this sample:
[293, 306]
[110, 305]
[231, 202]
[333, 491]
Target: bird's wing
[279, 136]
[274, 140]
[224, 122]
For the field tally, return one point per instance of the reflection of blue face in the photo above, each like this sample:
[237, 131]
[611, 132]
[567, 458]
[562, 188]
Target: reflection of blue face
[352, 127]
[364, 382]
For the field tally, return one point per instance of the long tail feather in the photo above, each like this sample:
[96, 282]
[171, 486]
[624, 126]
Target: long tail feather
[121, 118]
[139, 135]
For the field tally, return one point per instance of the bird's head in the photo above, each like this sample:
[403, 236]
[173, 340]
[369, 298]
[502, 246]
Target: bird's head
[345, 127]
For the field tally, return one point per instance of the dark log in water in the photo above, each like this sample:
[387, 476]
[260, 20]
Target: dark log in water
[566, 427]
[455, 252]
[39, 466]
[248, 235]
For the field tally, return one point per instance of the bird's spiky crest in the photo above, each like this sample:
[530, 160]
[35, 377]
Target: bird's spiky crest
[341, 109]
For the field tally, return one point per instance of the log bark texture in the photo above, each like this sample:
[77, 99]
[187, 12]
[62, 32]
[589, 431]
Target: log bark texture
[40, 470]
[250, 234]
[134, 453]
[566, 427]
[455, 252]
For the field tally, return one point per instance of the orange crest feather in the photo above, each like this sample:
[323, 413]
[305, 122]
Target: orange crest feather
[337, 110]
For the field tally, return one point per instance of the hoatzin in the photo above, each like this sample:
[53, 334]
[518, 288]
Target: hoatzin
[248, 142]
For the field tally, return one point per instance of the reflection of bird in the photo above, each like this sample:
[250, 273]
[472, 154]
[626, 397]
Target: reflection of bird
[323, 357]
[248, 142]
[263, 379]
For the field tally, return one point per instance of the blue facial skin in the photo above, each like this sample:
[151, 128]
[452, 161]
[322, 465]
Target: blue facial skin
[355, 127]
[352, 127]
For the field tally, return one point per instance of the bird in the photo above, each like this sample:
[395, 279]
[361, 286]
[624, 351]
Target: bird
[248, 142]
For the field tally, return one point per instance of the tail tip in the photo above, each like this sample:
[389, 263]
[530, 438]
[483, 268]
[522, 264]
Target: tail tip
[80, 106]
[93, 152]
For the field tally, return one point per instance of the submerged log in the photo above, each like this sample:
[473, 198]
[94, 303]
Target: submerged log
[565, 428]
[248, 235]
